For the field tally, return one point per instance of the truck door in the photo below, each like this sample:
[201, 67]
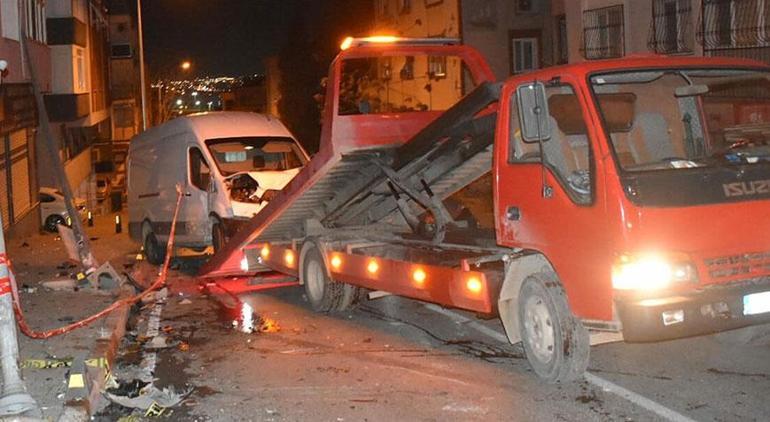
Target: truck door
[547, 190]
[195, 205]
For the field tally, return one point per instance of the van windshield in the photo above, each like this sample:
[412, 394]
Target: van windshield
[255, 153]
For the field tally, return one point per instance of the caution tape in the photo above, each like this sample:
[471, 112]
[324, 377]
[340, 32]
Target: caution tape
[155, 410]
[63, 363]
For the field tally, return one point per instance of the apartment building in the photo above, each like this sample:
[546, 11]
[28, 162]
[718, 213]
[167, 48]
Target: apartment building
[18, 114]
[78, 104]
[615, 28]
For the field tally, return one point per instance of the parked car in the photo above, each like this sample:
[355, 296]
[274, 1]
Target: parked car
[53, 210]
[229, 165]
[103, 186]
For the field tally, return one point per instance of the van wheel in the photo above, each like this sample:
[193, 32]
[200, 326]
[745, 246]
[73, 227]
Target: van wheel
[52, 221]
[218, 238]
[323, 293]
[153, 250]
[555, 342]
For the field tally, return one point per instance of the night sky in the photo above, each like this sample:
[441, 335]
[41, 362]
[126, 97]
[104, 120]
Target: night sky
[220, 37]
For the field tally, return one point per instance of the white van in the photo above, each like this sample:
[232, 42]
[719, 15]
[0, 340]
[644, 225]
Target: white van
[229, 164]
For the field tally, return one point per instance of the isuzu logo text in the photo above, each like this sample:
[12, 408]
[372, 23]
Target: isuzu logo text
[754, 187]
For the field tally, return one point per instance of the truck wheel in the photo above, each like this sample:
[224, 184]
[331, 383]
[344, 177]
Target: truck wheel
[351, 297]
[556, 343]
[153, 250]
[52, 221]
[323, 293]
[218, 238]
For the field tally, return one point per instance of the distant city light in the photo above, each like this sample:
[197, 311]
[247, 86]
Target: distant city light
[197, 103]
[195, 93]
[186, 65]
[179, 102]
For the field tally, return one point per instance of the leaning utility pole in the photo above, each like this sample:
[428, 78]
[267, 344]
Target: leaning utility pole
[87, 259]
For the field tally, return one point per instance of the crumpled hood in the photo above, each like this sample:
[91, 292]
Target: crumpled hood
[267, 180]
[273, 179]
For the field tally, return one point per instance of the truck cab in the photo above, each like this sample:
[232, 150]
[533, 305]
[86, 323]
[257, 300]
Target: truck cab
[643, 185]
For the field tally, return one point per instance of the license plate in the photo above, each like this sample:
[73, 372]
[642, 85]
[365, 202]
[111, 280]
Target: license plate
[757, 303]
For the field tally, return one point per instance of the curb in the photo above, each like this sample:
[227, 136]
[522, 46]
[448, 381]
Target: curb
[86, 382]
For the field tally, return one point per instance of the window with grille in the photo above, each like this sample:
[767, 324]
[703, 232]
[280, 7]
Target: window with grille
[670, 32]
[603, 33]
[735, 24]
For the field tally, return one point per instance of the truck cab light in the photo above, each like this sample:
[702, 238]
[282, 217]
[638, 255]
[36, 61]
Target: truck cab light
[288, 258]
[264, 252]
[336, 262]
[372, 267]
[419, 276]
[474, 285]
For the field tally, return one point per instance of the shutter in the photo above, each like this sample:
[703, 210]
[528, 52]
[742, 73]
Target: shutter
[20, 174]
[4, 185]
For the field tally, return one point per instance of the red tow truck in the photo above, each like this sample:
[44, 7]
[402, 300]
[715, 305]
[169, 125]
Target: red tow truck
[627, 196]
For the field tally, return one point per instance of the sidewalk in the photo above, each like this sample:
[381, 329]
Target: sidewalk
[42, 258]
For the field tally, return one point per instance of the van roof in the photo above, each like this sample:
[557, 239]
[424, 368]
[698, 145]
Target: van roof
[220, 124]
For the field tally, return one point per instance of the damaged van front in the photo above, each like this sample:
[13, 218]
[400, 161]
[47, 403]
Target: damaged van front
[253, 170]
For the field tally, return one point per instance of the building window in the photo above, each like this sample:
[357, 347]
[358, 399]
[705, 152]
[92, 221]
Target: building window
[603, 35]
[670, 31]
[735, 24]
[404, 6]
[562, 46]
[121, 51]
[34, 11]
[524, 54]
[437, 67]
[523, 6]
[407, 71]
[200, 173]
[80, 67]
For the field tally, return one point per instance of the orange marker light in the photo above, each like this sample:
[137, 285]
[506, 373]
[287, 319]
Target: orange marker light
[419, 276]
[336, 262]
[474, 285]
[372, 266]
[265, 252]
[346, 43]
[288, 258]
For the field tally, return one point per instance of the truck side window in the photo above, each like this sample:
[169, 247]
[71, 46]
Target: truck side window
[200, 173]
[567, 151]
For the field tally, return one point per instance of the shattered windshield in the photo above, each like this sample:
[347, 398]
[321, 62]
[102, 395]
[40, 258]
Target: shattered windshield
[247, 154]
[686, 118]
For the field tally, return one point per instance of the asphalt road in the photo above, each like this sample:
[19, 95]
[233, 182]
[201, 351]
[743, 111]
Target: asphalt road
[399, 360]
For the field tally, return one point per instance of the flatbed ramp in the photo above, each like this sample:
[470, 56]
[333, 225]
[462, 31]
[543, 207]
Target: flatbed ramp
[355, 187]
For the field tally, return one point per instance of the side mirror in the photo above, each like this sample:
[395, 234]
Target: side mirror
[533, 112]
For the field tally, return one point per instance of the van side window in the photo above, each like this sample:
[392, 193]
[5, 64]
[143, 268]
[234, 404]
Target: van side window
[567, 152]
[200, 173]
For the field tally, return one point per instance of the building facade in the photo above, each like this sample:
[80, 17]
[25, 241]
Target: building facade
[615, 28]
[78, 104]
[18, 114]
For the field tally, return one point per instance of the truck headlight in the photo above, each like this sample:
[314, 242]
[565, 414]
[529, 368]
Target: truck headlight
[651, 272]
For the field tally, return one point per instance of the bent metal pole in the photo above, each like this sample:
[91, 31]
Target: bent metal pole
[14, 399]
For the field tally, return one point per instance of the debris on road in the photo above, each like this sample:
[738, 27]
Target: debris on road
[144, 396]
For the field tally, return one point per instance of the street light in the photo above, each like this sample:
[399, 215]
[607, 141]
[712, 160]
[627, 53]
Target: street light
[186, 65]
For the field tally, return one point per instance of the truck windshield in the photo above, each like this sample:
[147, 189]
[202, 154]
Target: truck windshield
[685, 118]
[263, 153]
[399, 84]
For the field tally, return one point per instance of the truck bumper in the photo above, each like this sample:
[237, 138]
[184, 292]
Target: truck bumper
[713, 309]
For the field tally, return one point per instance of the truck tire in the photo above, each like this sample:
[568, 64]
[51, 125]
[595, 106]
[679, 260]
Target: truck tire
[218, 237]
[323, 293]
[352, 296]
[555, 341]
[153, 250]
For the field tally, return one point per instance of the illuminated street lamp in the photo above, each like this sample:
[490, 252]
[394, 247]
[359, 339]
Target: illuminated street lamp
[198, 103]
[186, 65]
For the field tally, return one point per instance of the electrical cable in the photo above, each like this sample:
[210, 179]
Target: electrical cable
[160, 281]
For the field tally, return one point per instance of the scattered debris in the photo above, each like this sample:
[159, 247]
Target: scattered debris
[185, 302]
[148, 397]
[63, 284]
[25, 245]
[160, 342]
[183, 346]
